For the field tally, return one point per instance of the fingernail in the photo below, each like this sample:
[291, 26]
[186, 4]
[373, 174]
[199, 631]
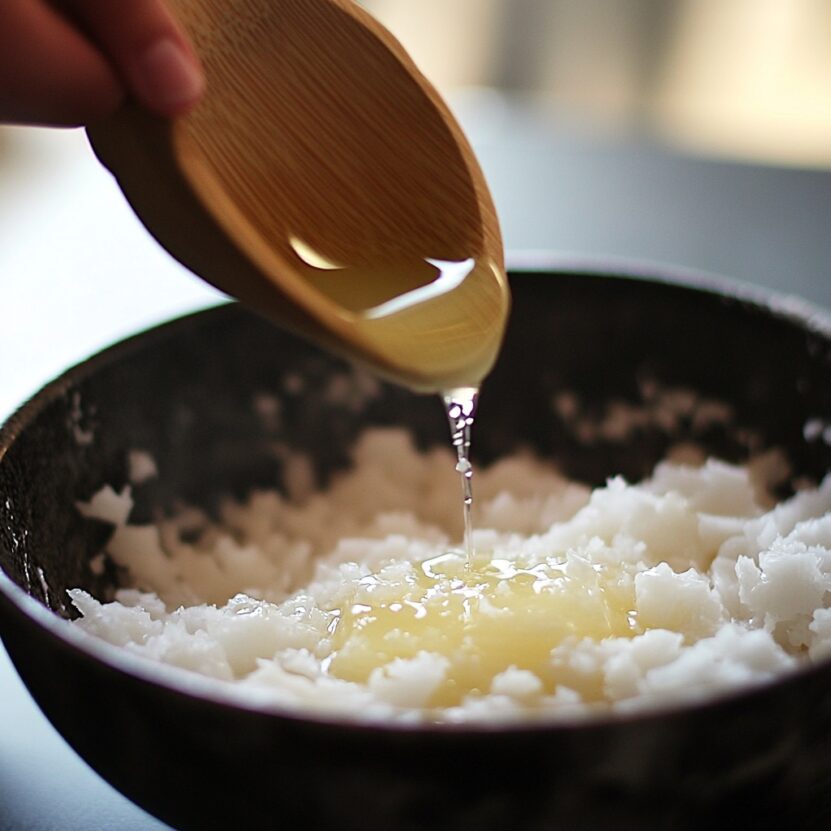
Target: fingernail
[168, 78]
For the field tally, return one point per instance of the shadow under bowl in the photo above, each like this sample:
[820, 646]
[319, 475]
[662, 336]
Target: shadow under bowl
[579, 345]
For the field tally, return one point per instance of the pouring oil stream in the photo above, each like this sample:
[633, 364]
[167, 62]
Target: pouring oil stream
[403, 308]
[460, 405]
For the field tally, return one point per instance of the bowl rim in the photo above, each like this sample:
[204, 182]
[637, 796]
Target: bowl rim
[178, 682]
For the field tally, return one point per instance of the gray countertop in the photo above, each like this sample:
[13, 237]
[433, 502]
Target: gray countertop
[78, 272]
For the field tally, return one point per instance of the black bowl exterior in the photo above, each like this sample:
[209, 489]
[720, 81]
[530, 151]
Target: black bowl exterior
[209, 396]
[754, 762]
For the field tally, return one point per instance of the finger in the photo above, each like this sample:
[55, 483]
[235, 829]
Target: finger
[147, 48]
[49, 72]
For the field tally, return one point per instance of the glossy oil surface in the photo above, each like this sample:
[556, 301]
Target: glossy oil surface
[441, 321]
[482, 618]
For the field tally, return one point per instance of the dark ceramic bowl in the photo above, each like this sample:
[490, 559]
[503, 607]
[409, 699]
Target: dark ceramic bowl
[184, 392]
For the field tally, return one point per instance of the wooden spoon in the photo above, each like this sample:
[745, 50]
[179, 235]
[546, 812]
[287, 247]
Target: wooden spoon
[323, 181]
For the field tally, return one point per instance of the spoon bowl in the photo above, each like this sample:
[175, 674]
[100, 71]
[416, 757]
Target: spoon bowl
[323, 181]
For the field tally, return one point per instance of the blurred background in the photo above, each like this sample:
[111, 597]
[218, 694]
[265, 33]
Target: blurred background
[691, 133]
[746, 80]
[694, 133]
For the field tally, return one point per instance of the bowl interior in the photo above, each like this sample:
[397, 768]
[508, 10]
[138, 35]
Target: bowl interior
[600, 374]
[209, 396]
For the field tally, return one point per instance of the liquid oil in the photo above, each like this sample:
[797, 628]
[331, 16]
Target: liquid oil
[482, 620]
[460, 405]
[442, 320]
[434, 325]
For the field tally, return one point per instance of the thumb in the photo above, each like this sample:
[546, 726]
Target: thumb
[147, 48]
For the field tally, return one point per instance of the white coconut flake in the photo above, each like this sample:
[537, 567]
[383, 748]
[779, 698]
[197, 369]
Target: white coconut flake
[108, 506]
[141, 467]
[408, 683]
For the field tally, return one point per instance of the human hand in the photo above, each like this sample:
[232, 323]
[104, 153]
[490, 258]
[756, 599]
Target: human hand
[68, 62]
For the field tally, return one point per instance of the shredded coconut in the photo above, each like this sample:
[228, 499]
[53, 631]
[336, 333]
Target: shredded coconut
[707, 585]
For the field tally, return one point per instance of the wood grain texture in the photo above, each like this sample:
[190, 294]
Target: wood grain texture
[317, 127]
